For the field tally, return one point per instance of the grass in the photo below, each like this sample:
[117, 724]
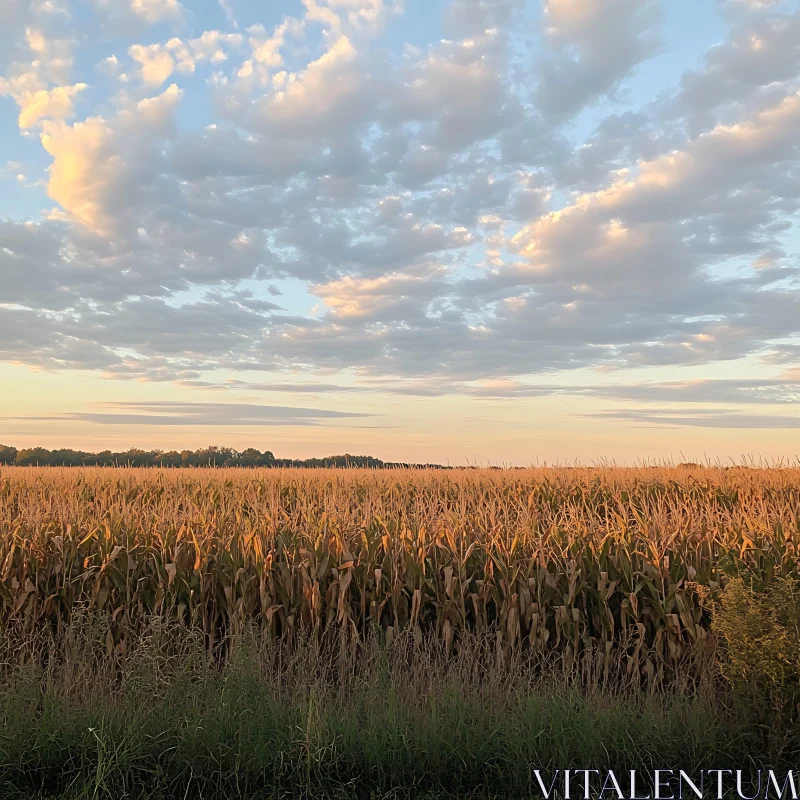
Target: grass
[272, 721]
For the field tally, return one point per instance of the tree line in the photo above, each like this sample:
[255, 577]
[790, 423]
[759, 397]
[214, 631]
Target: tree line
[205, 457]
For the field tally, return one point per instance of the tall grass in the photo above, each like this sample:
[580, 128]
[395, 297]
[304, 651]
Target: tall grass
[273, 720]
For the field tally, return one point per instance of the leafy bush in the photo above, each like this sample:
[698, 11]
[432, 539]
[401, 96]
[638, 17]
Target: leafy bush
[761, 633]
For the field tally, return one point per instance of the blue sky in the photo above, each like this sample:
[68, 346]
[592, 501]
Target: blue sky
[493, 230]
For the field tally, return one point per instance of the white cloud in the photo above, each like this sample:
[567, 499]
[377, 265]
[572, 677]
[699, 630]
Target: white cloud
[55, 103]
[382, 298]
[343, 17]
[96, 164]
[227, 9]
[30, 82]
[761, 53]
[156, 63]
[317, 99]
[267, 49]
[212, 45]
[156, 10]
[594, 46]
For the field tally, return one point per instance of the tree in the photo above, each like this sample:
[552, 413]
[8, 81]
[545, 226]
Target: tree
[137, 458]
[253, 458]
[8, 455]
[36, 455]
[188, 458]
[170, 459]
[65, 458]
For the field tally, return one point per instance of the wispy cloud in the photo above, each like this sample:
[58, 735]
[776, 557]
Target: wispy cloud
[707, 418]
[227, 9]
[207, 414]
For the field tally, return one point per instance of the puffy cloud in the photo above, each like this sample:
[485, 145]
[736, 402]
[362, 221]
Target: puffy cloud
[307, 102]
[357, 15]
[612, 232]
[56, 103]
[396, 296]
[594, 45]
[156, 10]
[459, 88]
[761, 52]
[212, 45]
[29, 81]
[97, 165]
[156, 63]
[266, 50]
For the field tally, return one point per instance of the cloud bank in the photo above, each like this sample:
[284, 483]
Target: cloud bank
[465, 215]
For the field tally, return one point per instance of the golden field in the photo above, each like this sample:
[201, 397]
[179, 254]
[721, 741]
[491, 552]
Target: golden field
[613, 564]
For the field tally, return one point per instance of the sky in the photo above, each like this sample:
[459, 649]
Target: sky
[462, 231]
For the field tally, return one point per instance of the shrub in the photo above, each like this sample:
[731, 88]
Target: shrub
[761, 634]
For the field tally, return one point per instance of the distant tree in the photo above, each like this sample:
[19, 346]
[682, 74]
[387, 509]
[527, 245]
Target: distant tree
[65, 458]
[213, 456]
[136, 458]
[250, 457]
[188, 458]
[105, 458]
[36, 455]
[170, 459]
[8, 455]
[253, 458]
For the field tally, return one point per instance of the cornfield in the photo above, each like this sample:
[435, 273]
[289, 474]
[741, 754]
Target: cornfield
[619, 563]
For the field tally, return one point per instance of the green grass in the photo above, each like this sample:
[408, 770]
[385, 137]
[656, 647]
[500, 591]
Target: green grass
[273, 721]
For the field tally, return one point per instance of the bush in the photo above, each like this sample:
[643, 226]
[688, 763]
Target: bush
[761, 634]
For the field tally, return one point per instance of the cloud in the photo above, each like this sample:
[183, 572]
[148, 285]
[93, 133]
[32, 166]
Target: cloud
[31, 266]
[303, 102]
[782, 390]
[266, 49]
[306, 387]
[469, 17]
[56, 104]
[173, 413]
[750, 5]
[761, 52]
[38, 81]
[758, 391]
[594, 44]
[393, 296]
[356, 15]
[227, 9]
[712, 418]
[98, 165]
[156, 10]
[459, 90]
[156, 63]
